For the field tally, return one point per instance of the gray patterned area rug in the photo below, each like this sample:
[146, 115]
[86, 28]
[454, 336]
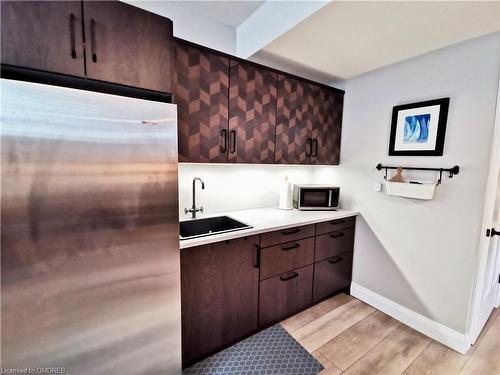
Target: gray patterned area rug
[270, 352]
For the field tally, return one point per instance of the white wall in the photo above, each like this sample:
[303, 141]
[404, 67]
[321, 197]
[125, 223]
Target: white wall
[421, 254]
[193, 26]
[236, 187]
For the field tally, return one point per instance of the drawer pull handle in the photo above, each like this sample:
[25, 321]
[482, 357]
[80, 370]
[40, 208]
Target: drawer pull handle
[290, 247]
[290, 231]
[335, 260]
[337, 222]
[290, 276]
[337, 235]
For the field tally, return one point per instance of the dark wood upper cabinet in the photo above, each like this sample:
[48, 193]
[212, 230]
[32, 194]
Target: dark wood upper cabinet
[201, 85]
[220, 288]
[127, 45]
[327, 126]
[43, 35]
[294, 121]
[252, 113]
[236, 111]
[309, 123]
[123, 44]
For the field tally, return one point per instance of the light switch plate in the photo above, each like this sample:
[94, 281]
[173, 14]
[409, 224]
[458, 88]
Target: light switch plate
[377, 186]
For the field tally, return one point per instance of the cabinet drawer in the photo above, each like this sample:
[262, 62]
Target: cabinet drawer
[335, 243]
[286, 257]
[286, 235]
[330, 226]
[284, 295]
[331, 275]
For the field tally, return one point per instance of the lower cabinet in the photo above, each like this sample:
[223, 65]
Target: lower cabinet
[334, 243]
[283, 295]
[231, 289]
[285, 257]
[219, 289]
[331, 275]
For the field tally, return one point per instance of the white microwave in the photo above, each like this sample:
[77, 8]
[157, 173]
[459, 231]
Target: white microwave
[315, 197]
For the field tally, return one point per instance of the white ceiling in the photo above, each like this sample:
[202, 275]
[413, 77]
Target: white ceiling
[345, 39]
[328, 41]
[231, 13]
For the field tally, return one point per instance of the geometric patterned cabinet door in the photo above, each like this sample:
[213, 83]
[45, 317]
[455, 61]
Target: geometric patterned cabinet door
[200, 88]
[294, 121]
[327, 126]
[252, 113]
[309, 123]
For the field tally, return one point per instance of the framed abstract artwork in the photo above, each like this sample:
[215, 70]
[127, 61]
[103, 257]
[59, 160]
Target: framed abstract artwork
[419, 128]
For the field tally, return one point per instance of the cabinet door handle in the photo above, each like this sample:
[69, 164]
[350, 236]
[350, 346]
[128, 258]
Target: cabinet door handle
[337, 235]
[335, 260]
[290, 231]
[290, 247]
[315, 152]
[223, 147]
[290, 276]
[257, 256]
[92, 40]
[233, 140]
[309, 145]
[72, 35]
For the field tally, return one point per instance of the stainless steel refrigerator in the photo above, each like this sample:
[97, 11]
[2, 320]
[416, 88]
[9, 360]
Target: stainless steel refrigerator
[90, 271]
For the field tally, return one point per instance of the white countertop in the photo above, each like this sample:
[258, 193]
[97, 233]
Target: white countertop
[266, 220]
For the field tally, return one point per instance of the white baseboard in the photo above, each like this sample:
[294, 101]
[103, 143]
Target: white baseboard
[437, 331]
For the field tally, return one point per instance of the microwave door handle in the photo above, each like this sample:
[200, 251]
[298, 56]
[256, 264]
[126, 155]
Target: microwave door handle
[330, 198]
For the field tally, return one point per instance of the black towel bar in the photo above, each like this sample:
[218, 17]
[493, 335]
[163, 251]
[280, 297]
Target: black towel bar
[452, 171]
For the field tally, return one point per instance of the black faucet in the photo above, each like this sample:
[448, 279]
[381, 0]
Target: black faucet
[193, 210]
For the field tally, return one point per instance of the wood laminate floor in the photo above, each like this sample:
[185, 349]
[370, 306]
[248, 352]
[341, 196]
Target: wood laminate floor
[350, 337]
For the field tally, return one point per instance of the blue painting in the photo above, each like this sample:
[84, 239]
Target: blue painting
[416, 128]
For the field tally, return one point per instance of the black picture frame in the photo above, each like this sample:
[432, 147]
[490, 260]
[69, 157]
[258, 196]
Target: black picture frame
[441, 131]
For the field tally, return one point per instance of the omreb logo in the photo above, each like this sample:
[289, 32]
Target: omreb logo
[149, 123]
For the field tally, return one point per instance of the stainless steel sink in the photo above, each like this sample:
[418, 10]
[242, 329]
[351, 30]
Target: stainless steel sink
[210, 226]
